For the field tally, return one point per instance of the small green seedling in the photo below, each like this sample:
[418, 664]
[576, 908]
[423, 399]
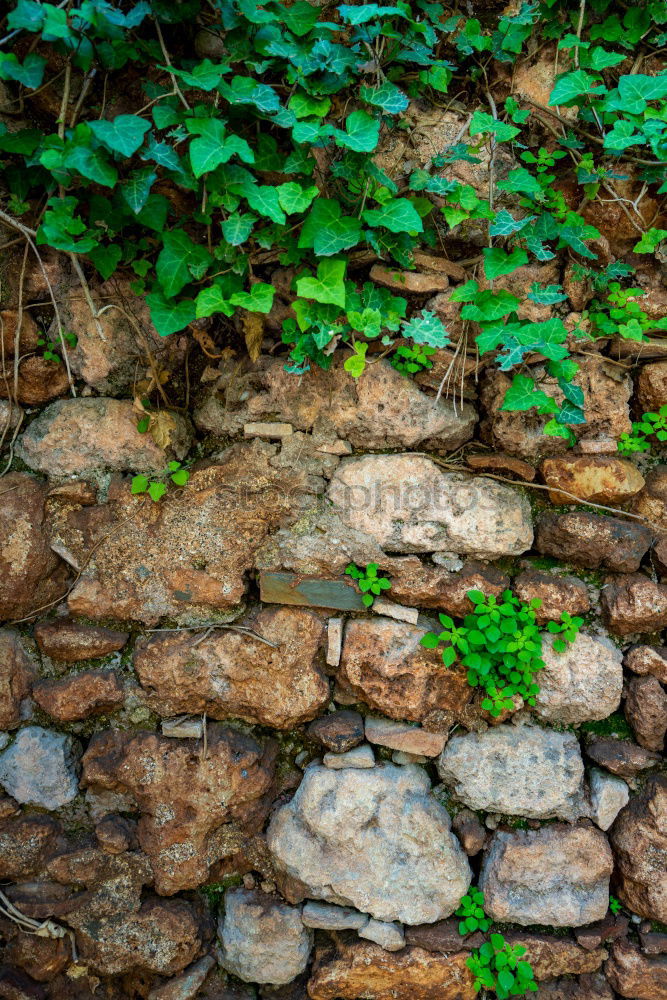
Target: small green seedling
[568, 627]
[370, 584]
[471, 910]
[498, 966]
[50, 348]
[615, 904]
[651, 425]
[155, 488]
[411, 360]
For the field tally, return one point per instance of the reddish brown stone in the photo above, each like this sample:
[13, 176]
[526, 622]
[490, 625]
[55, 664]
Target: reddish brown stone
[470, 831]
[599, 478]
[652, 386]
[94, 692]
[494, 462]
[78, 491]
[184, 794]
[557, 594]
[644, 660]
[608, 929]
[414, 583]
[28, 337]
[651, 502]
[621, 757]
[634, 975]
[16, 985]
[634, 603]
[442, 937]
[39, 381]
[409, 282]
[41, 957]
[16, 675]
[639, 841]
[115, 834]
[593, 540]
[31, 575]
[556, 956]
[591, 986]
[646, 711]
[26, 843]
[69, 642]
[339, 731]
[653, 943]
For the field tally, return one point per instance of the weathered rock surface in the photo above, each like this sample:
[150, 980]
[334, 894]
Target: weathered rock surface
[600, 478]
[382, 409]
[608, 796]
[263, 940]
[556, 956]
[31, 575]
[593, 540]
[92, 692]
[16, 675]
[360, 969]
[651, 502]
[184, 796]
[403, 737]
[470, 831]
[442, 936]
[70, 642]
[408, 505]
[233, 674]
[557, 594]
[38, 768]
[583, 682]
[359, 757]
[517, 771]
[187, 556]
[634, 975]
[339, 731]
[634, 603]
[26, 842]
[650, 660]
[389, 936]
[639, 840]
[557, 875]
[75, 437]
[187, 985]
[385, 666]
[376, 840]
[621, 756]
[652, 386]
[326, 916]
[646, 711]
[39, 381]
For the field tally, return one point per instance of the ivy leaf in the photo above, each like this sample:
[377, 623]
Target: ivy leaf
[90, 163]
[650, 241]
[328, 287]
[365, 12]
[258, 299]
[398, 216]
[497, 262]
[237, 228]
[571, 86]
[547, 296]
[306, 105]
[156, 491]
[522, 395]
[27, 14]
[361, 134]
[574, 394]
[264, 199]
[169, 316]
[505, 224]
[106, 259]
[355, 366]
[426, 329]
[327, 231]
[137, 188]
[30, 73]
[123, 135]
[387, 96]
[300, 17]
[490, 306]
[598, 58]
[521, 181]
[635, 91]
[565, 369]
[179, 261]
[294, 198]
[483, 122]
[204, 75]
[213, 146]
[212, 300]
[25, 141]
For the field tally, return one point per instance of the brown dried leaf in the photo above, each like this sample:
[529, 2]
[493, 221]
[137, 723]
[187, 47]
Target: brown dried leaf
[161, 428]
[206, 343]
[253, 331]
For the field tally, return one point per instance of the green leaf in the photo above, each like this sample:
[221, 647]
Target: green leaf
[156, 491]
[522, 395]
[305, 105]
[635, 91]
[505, 224]
[179, 261]
[489, 306]
[212, 300]
[180, 477]
[426, 329]
[25, 141]
[521, 181]
[329, 285]
[327, 231]
[497, 262]
[398, 216]
[30, 73]
[213, 146]
[264, 199]
[598, 58]
[90, 163]
[106, 259]
[204, 75]
[485, 123]
[237, 228]
[136, 189]
[361, 134]
[258, 299]
[294, 198]
[650, 241]
[139, 484]
[355, 366]
[169, 316]
[571, 86]
[122, 135]
[387, 96]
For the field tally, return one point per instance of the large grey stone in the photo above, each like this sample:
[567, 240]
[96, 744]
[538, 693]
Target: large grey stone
[38, 768]
[263, 940]
[557, 875]
[408, 504]
[516, 770]
[328, 917]
[582, 683]
[376, 840]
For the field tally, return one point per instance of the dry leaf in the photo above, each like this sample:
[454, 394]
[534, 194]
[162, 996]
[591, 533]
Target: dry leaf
[206, 343]
[161, 428]
[253, 331]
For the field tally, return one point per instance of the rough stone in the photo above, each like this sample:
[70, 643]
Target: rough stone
[385, 666]
[653, 943]
[651, 502]
[557, 875]
[590, 986]
[396, 611]
[598, 478]
[339, 731]
[183, 727]
[652, 386]
[408, 505]
[93, 692]
[183, 797]
[233, 674]
[31, 575]
[376, 840]
[609, 928]
[502, 464]
[382, 409]
[389, 936]
[441, 588]
[42, 958]
[359, 757]
[646, 711]
[645, 660]
[633, 603]
[26, 843]
[39, 381]
[639, 840]
[327, 917]
[187, 985]
[608, 796]
[582, 683]
[334, 641]
[470, 832]
[38, 768]
[593, 540]
[115, 834]
[272, 430]
[400, 736]
[263, 940]
[634, 975]
[557, 594]
[621, 757]
[182, 559]
[16, 675]
[442, 936]
[408, 282]
[28, 336]
[516, 771]
[69, 642]
[76, 437]
[361, 969]
[556, 956]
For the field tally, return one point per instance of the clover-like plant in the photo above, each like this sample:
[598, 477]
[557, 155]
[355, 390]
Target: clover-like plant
[370, 584]
[471, 911]
[411, 360]
[651, 425]
[499, 966]
[156, 488]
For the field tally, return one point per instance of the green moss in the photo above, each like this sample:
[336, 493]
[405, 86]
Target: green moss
[613, 725]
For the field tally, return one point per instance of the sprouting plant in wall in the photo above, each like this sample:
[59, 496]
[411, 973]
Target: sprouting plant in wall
[615, 905]
[370, 584]
[500, 643]
[51, 350]
[471, 911]
[411, 360]
[157, 487]
[500, 968]
[650, 425]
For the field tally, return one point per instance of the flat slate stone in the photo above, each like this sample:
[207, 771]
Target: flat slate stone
[291, 588]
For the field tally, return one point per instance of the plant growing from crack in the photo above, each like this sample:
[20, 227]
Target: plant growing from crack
[156, 488]
[498, 967]
[370, 584]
